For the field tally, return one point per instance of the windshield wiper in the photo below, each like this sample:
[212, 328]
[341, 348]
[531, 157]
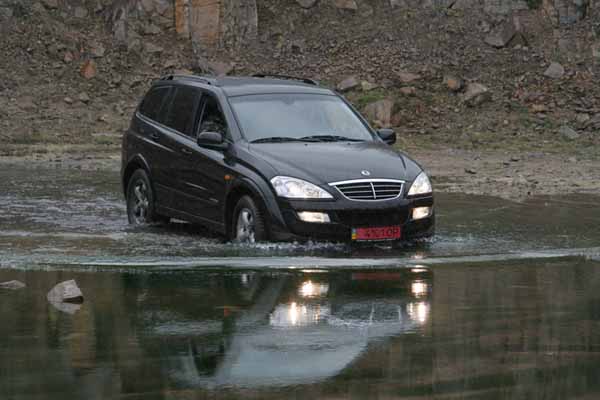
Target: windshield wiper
[331, 138]
[278, 139]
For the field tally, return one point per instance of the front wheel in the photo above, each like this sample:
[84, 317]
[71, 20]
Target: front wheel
[140, 200]
[248, 222]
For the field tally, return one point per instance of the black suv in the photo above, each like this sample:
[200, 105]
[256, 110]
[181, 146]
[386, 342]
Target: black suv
[269, 158]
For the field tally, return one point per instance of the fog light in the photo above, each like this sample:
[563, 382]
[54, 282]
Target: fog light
[318, 217]
[421, 212]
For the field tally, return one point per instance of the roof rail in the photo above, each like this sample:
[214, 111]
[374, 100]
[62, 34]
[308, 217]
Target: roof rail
[293, 78]
[203, 79]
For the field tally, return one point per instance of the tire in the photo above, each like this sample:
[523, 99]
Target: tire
[140, 200]
[248, 224]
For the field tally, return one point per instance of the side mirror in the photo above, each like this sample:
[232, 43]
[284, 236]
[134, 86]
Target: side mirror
[212, 140]
[387, 135]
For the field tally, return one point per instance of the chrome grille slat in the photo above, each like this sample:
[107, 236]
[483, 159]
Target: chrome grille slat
[370, 189]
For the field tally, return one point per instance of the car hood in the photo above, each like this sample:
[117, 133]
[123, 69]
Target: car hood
[327, 162]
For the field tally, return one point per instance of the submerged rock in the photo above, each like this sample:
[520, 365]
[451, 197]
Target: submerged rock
[12, 285]
[65, 292]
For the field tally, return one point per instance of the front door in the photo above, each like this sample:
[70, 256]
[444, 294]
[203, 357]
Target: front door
[204, 169]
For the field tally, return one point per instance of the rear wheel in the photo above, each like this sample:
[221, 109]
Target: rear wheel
[248, 222]
[140, 200]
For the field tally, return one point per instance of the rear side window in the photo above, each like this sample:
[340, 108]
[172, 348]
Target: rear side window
[183, 109]
[153, 102]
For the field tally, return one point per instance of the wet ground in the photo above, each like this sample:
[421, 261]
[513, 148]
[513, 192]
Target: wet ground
[503, 304]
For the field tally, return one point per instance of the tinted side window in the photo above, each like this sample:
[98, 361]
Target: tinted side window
[213, 119]
[183, 108]
[153, 102]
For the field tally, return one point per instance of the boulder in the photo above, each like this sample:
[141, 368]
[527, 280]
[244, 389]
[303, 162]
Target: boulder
[502, 34]
[555, 71]
[348, 83]
[12, 285]
[65, 292]
[476, 94]
[380, 112]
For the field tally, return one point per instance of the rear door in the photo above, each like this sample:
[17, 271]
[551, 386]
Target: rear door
[178, 136]
[150, 116]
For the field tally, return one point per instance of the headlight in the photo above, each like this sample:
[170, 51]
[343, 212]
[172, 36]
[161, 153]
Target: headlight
[294, 188]
[421, 185]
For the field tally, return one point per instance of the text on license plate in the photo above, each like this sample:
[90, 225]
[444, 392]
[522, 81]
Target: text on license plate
[378, 233]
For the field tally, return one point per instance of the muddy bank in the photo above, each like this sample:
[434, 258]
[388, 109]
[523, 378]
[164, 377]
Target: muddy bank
[510, 174]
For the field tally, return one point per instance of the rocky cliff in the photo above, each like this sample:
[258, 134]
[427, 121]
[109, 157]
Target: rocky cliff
[460, 72]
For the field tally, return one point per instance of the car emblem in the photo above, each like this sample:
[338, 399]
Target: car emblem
[364, 172]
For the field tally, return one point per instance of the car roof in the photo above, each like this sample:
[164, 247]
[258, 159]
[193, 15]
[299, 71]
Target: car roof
[239, 86]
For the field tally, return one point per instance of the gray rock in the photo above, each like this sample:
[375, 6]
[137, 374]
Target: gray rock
[50, 4]
[555, 71]
[97, 50]
[476, 94]
[346, 4]
[380, 112]
[367, 86]
[568, 132]
[6, 12]
[407, 77]
[398, 3]
[306, 3]
[84, 98]
[348, 84]
[153, 48]
[65, 292]
[12, 285]
[68, 308]
[501, 35]
[80, 12]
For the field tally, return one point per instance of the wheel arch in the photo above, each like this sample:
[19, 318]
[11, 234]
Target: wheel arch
[135, 163]
[239, 189]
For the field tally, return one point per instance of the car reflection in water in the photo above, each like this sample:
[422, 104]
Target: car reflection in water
[294, 328]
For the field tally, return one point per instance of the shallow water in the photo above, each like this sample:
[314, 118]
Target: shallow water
[59, 216]
[503, 304]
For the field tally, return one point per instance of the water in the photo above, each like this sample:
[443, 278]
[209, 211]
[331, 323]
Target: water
[73, 217]
[522, 330]
[504, 304]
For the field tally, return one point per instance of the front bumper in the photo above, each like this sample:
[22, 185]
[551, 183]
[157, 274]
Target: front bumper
[348, 214]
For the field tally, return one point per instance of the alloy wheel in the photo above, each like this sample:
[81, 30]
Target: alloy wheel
[141, 203]
[245, 227]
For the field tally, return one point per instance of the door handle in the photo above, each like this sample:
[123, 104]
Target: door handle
[186, 151]
[154, 136]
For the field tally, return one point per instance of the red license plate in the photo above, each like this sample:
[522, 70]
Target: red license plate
[378, 233]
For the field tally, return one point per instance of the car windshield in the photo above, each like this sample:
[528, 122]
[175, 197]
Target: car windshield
[297, 117]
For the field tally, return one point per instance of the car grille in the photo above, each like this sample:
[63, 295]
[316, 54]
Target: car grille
[370, 189]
